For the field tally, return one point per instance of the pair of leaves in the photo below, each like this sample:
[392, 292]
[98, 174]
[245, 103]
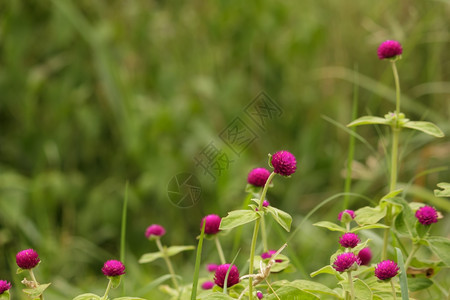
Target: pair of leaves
[37, 291]
[445, 192]
[302, 289]
[237, 218]
[334, 227]
[170, 251]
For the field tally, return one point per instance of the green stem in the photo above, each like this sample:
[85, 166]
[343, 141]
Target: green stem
[411, 255]
[264, 234]
[105, 296]
[386, 233]
[219, 249]
[350, 283]
[168, 263]
[397, 87]
[394, 294]
[35, 282]
[197, 263]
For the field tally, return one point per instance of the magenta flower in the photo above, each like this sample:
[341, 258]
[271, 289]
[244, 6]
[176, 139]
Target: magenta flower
[346, 261]
[207, 285]
[211, 267]
[389, 49]
[427, 215]
[4, 286]
[269, 254]
[386, 269]
[365, 255]
[258, 176]
[350, 212]
[113, 268]
[221, 272]
[266, 203]
[212, 224]
[259, 295]
[284, 163]
[154, 230]
[349, 240]
[27, 259]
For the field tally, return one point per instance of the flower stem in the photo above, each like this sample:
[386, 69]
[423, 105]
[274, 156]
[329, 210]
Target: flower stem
[350, 283]
[394, 294]
[264, 234]
[397, 87]
[35, 282]
[411, 255]
[168, 263]
[219, 249]
[105, 296]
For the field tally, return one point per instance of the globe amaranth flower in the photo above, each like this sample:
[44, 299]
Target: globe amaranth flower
[284, 163]
[365, 255]
[389, 49]
[266, 203]
[269, 254]
[212, 224]
[386, 269]
[27, 259]
[113, 268]
[221, 272]
[427, 215]
[154, 230]
[346, 261]
[211, 267]
[349, 240]
[207, 285]
[350, 212]
[4, 286]
[258, 176]
[259, 295]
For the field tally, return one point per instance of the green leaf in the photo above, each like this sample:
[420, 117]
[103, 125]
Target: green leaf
[325, 270]
[149, 257]
[37, 291]
[281, 217]
[445, 186]
[88, 296]
[362, 290]
[417, 284]
[441, 247]
[129, 298]
[426, 127]
[330, 226]
[402, 276]
[407, 215]
[237, 218]
[115, 281]
[367, 120]
[314, 287]
[391, 194]
[291, 292]
[173, 250]
[4, 295]
[216, 296]
[369, 215]
[372, 226]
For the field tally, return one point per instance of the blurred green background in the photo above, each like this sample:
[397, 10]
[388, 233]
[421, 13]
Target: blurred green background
[97, 93]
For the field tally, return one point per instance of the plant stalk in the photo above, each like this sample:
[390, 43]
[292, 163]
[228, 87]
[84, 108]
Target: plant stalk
[219, 250]
[350, 283]
[411, 255]
[35, 282]
[264, 234]
[168, 263]
[108, 288]
[394, 294]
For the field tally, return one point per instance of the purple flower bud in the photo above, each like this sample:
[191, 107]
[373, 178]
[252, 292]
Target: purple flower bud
[350, 212]
[113, 268]
[259, 295]
[211, 267]
[349, 240]
[212, 224]
[27, 259]
[4, 286]
[427, 215]
[389, 49]
[207, 285]
[266, 203]
[154, 230]
[346, 261]
[365, 255]
[221, 272]
[269, 254]
[386, 269]
[284, 163]
[258, 176]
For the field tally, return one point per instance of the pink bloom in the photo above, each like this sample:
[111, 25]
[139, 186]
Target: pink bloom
[266, 203]
[349, 240]
[212, 224]
[211, 267]
[258, 176]
[113, 268]
[346, 261]
[221, 272]
[154, 230]
[427, 215]
[350, 212]
[284, 163]
[4, 286]
[389, 49]
[207, 285]
[365, 255]
[268, 254]
[27, 259]
[259, 295]
[386, 269]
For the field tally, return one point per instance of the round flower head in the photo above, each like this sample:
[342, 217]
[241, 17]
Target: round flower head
[350, 212]
[4, 286]
[389, 49]
[113, 268]
[284, 163]
[212, 224]
[427, 215]
[346, 261]
[269, 254]
[266, 203]
[349, 240]
[207, 285]
[27, 259]
[259, 295]
[211, 267]
[258, 176]
[386, 269]
[365, 255]
[154, 230]
[221, 272]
